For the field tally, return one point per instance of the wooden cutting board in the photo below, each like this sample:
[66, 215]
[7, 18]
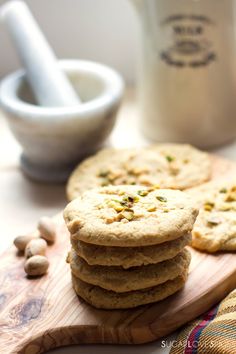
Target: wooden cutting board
[40, 314]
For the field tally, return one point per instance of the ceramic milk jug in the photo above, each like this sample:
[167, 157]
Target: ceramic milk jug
[187, 72]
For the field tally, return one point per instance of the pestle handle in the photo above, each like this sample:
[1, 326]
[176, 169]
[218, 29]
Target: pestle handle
[50, 85]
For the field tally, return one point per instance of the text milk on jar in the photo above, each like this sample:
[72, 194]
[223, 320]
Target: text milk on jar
[187, 83]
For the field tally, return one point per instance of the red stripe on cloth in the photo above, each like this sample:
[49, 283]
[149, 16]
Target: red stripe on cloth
[192, 341]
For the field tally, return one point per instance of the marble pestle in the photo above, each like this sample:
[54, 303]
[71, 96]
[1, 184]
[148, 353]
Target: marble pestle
[50, 85]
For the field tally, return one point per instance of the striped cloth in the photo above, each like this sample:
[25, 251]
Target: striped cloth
[212, 333]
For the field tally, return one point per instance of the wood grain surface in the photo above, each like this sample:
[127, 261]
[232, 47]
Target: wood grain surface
[43, 313]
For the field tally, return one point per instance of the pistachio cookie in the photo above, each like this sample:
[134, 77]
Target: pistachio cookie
[130, 216]
[215, 227]
[136, 278]
[129, 257]
[107, 299]
[168, 165]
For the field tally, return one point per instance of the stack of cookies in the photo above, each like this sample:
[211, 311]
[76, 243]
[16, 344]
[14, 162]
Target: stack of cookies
[128, 244]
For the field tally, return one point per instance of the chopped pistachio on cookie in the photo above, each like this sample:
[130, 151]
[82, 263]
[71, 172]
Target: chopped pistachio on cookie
[161, 199]
[170, 158]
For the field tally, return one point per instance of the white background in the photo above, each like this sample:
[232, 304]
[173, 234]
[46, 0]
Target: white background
[100, 30]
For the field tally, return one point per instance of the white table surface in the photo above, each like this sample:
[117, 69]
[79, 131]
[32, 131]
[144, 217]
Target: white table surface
[23, 202]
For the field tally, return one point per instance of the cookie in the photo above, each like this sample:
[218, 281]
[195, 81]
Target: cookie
[129, 257]
[122, 280]
[215, 227]
[105, 299]
[130, 216]
[168, 165]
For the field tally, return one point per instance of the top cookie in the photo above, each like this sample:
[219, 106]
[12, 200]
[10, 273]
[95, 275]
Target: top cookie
[128, 216]
[168, 165]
